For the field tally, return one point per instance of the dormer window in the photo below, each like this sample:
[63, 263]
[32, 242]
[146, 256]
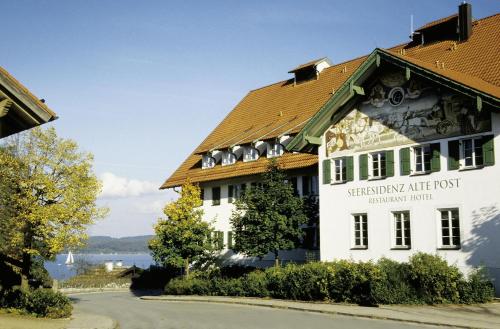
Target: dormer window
[310, 71]
[251, 154]
[228, 158]
[275, 150]
[207, 161]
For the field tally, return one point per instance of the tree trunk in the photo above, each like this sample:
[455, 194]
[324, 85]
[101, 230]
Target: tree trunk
[186, 268]
[276, 259]
[25, 271]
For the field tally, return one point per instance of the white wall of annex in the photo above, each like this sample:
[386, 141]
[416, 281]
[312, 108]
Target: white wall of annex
[477, 197]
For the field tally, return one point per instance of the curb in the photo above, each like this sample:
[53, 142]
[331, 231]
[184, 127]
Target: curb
[255, 302]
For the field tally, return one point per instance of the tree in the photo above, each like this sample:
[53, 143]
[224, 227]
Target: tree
[268, 217]
[182, 237]
[48, 197]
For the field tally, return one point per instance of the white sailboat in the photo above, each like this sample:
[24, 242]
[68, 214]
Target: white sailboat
[69, 259]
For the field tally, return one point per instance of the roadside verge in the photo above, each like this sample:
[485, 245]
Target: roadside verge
[461, 316]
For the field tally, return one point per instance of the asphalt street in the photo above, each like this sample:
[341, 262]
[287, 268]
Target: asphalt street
[132, 312]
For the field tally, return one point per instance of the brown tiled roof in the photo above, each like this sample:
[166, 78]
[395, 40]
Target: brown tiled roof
[282, 107]
[25, 91]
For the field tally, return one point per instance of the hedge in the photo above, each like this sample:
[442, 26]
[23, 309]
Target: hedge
[424, 279]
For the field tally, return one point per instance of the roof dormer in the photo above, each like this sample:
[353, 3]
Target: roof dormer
[310, 70]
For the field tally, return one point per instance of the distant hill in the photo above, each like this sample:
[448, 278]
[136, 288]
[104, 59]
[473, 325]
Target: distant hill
[109, 245]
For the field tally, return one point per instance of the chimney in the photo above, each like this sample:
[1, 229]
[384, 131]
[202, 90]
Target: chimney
[464, 21]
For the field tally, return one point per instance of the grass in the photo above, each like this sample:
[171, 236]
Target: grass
[16, 320]
[97, 277]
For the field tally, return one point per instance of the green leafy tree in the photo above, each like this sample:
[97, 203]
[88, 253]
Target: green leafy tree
[182, 237]
[268, 217]
[48, 197]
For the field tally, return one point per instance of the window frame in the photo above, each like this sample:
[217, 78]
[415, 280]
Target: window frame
[275, 150]
[405, 230]
[216, 202]
[253, 151]
[225, 157]
[343, 170]
[381, 159]
[426, 162]
[364, 234]
[463, 158]
[205, 164]
[451, 245]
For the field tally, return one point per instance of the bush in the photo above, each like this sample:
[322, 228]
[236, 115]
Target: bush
[255, 284]
[191, 286]
[477, 288]
[434, 280]
[305, 282]
[394, 287]
[424, 279]
[47, 303]
[155, 277]
[40, 302]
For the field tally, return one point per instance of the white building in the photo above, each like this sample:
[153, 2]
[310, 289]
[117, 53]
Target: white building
[409, 150]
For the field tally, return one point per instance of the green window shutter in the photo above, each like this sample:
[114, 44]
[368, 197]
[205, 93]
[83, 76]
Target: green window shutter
[389, 163]
[363, 166]
[230, 240]
[327, 171]
[220, 239]
[453, 155]
[405, 161]
[349, 162]
[488, 150]
[435, 157]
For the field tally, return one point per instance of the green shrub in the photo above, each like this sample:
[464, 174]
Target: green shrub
[305, 282]
[275, 278]
[255, 284]
[13, 298]
[227, 287]
[48, 303]
[478, 288]
[191, 286]
[394, 287]
[424, 279]
[434, 280]
[40, 302]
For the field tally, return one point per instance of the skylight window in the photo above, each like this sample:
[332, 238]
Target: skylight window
[207, 161]
[228, 158]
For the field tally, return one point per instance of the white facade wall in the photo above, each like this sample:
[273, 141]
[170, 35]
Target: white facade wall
[476, 193]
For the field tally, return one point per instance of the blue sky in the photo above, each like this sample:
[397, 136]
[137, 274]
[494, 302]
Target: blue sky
[141, 83]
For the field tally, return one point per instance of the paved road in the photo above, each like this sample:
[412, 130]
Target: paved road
[132, 313]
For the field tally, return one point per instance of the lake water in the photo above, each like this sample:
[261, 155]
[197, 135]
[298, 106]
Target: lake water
[58, 270]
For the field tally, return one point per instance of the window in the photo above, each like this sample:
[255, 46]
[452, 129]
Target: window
[251, 154]
[274, 150]
[422, 159]
[207, 162]
[360, 229]
[402, 236]
[306, 185]
[202, 194]
[471, 153]
[378, 167]
[450, 228]
[215, 196]
[228, 158]
[230, 193]
[375, 165]
[339, 170]
[230, 240]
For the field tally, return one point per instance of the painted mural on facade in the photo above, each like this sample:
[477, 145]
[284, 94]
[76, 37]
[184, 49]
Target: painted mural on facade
[396, 111]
